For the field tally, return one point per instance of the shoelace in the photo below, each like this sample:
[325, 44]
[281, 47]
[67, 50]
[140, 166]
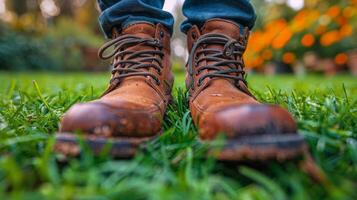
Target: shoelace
[127, 67]
[227, 63]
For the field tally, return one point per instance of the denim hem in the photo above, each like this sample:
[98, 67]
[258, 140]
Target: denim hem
[129, 23]
[185, 26]
[105, 26]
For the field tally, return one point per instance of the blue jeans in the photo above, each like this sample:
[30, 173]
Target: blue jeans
[121, 13]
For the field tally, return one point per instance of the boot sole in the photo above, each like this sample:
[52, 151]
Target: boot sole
[119, 147]
[260, 148]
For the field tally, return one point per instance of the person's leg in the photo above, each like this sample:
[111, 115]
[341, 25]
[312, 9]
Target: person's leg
[121, 13]
[199, 11]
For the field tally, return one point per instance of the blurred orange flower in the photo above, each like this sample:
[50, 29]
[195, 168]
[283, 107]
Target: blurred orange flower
[289, 58]
[320, 29]
[318, 26]
[341, 20]
[303, 19]
[267, 54]
[348, 12]
[333, 12]
[341, 59]
[329, 38]
[346, 30]
[282, 38]
[308, 40]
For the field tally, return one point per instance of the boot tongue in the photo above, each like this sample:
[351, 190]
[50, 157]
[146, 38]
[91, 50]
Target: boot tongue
[221, 26]
[224, 27]
[141, 30]
[144, 30]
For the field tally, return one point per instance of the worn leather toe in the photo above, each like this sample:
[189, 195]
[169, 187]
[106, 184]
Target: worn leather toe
[247, 120]
[105, 120]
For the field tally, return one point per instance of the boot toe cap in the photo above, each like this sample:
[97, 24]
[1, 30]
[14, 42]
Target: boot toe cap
[247, 120]
[104, 120]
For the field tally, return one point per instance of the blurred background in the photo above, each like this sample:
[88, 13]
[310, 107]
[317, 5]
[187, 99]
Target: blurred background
[290, 36]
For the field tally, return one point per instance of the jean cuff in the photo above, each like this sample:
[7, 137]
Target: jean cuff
[105, 26]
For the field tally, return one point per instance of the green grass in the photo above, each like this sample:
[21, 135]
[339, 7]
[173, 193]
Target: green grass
[173, 166]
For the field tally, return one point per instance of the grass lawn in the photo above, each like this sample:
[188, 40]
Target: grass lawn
[173, 166]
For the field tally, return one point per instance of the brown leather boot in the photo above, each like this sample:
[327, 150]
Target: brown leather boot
[220, 101]
[131, 110]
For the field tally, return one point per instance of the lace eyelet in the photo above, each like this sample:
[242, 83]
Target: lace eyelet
[199, 83]
[194, 35]
[196, 57]
[162, 34]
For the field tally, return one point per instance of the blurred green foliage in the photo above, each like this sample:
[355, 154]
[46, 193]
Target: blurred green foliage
[18, 52]
[60, 47]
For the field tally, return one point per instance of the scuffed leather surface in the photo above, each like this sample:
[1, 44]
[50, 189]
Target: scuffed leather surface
[223, 108]
[136, 106]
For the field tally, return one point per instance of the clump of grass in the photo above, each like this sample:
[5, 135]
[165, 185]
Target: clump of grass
[172, 166]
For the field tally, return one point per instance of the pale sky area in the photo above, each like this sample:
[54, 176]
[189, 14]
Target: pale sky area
[170, 4]
[2, 6]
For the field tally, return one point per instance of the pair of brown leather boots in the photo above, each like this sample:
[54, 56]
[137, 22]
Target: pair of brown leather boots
[132, 109]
